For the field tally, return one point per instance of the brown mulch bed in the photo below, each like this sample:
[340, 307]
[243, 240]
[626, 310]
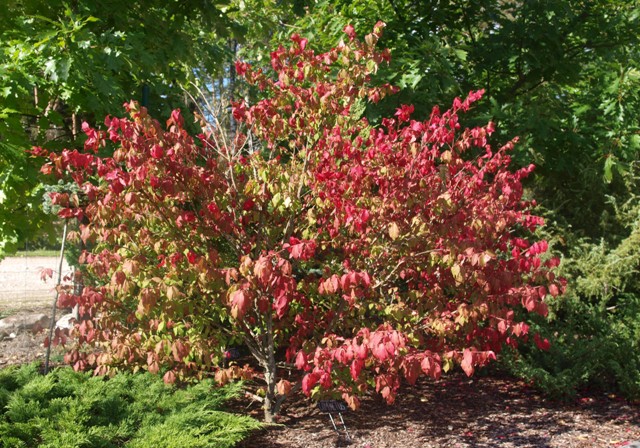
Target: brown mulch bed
[492, 411]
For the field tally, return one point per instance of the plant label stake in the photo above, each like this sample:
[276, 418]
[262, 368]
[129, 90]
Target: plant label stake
[331, 406]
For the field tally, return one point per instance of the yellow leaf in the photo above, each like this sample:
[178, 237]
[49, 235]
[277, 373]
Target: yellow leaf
[457, 275]
[446, 198]
[394, 231]
[484, 259]
[130, 267]
[172, 292]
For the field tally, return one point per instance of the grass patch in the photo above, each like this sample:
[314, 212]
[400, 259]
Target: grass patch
[71, 409]
[38, 253]
[6, 313]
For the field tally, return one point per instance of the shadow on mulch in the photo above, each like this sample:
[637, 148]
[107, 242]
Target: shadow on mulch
[482, 412]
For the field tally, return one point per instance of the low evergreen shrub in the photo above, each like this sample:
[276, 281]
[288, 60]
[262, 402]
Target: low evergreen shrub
[71, 409]
[594, 328]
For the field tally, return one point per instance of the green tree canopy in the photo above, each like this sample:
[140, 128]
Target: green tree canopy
[64, 62]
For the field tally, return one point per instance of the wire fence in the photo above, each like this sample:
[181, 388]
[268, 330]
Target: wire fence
[21, 284]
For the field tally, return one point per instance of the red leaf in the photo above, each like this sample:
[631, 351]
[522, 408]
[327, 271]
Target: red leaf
[411, 370]
[543, 344]
[352, 401]
[380, 352]
[350, 31]
[281, 305]
[263, 269]
[430, 365]
[169, 377]
[46, 273]
[153, 367]
[157, 152]
[467, 362]
[301, 361]
[179, 351]
[118, 278]
[361, 351]
[240, 303]
[241, 68]
[309, 380]
[330, 285]
[529, 301]
[300, 249]
[176, 119]
[356, 368]
[283, 387]
[85, 233]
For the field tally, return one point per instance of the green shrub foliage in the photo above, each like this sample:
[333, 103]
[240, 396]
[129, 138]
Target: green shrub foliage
[595, 328]
[72, 409]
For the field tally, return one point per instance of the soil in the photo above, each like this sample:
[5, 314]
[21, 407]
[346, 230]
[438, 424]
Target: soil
[27, 347]
[455, 412]
[22, 289]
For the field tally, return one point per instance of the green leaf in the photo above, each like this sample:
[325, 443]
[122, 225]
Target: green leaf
[609, 164]
[460, 54]
[50, 69]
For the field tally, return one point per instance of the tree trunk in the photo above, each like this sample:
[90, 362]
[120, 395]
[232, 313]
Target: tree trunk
[264, 352]
[271, 400]
[271, 403]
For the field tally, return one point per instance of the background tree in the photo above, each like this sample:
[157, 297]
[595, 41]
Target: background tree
[65, 62]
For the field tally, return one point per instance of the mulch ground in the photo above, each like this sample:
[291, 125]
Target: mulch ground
[492, 411]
